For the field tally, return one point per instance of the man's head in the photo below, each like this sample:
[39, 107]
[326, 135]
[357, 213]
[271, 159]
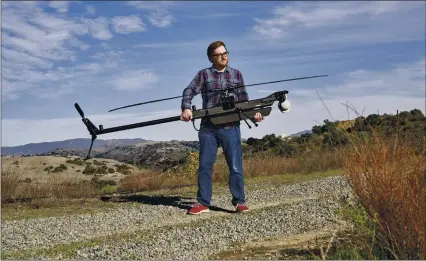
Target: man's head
[217, 54]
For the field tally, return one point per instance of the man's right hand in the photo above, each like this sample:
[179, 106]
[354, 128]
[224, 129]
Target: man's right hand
[186, 115]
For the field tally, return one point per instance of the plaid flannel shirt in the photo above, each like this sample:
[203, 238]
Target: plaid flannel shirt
[208, 79]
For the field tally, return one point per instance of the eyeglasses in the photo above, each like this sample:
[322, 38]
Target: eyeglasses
[225, 54]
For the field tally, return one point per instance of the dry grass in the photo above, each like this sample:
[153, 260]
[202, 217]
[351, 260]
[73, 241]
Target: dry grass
[267, 164]
[259, 166]
[142, 181]
[28, 180]
[389, 177]
[15, 186]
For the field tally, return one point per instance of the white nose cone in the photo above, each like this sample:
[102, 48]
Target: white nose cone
[285, 106]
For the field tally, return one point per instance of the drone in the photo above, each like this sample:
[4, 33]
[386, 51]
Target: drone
[228, 110]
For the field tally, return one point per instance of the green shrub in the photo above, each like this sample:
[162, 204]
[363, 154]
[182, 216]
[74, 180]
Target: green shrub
[108, 189]
[89, 169]
[60, 168]
[48, 168]
[123, 168]
[76, 161]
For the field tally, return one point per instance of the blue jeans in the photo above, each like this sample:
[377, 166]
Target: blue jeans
[229, 138]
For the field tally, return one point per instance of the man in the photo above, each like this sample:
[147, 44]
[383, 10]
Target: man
[219, 75]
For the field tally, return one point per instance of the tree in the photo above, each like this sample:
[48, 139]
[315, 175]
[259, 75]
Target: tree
[317, 129]
[373, 119]
[417, 112]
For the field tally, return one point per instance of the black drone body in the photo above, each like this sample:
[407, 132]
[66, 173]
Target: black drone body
[228, 110]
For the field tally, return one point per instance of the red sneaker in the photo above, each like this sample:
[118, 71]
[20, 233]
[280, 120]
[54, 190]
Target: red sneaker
[197, 208]
[241, 208]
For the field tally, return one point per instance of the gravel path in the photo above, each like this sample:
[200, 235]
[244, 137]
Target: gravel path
[160, 229]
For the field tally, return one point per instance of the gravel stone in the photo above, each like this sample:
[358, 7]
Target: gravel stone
[275, 211]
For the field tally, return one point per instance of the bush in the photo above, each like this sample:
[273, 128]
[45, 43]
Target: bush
[389, 177]
[89, 169]
[123, 168]
[60, 168]
[97, 163]
[48, 169]
[107, 189]
[103, 169]
[76, 161]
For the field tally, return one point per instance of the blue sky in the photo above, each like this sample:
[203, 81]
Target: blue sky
[106, 54]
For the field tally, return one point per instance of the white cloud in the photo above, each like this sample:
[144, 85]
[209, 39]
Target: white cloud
[107, 56]
[21, 58]
[310, 15]
[404, 80]
[32, 42]
[327, 14]
[60, 6]
[37, 34]
[134, 80]
[213, 15]
[90, 9]
[99, 28]
[171, 45]
[105, 46]
[128, 24]
[35, 42]
[152, 5]
[54, 92]
[159, 15]
[75, 43]
[53, 81]
[326, 23]
[161, 19]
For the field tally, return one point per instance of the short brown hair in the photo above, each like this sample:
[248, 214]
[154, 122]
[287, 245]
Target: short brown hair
[213, 46]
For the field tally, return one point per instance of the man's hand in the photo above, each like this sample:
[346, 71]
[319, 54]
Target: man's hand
[258, 117]
[186, 115]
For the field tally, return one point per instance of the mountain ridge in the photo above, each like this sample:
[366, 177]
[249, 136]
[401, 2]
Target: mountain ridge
[78, 143]
[82, 145]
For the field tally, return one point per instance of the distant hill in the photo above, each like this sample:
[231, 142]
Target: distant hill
[44, 147]
[297, 134]
[160, 155]
[80, 146]
[145, 153]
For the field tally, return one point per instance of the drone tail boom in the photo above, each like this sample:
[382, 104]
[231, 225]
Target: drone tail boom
[95, 131]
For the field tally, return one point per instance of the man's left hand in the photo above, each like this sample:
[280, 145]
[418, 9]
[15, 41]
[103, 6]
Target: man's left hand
[258, 117]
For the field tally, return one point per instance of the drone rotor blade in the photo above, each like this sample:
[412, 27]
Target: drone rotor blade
[80, 111]
[137, 104]
[287, 80]
[214, 90]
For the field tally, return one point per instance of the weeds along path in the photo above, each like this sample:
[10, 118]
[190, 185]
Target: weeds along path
[158, 227]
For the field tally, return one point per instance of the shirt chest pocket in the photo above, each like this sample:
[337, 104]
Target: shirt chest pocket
[232, 83]
[213, 84]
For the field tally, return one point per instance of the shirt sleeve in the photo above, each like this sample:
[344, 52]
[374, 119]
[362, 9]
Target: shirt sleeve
[193, 89]
[242, 91]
